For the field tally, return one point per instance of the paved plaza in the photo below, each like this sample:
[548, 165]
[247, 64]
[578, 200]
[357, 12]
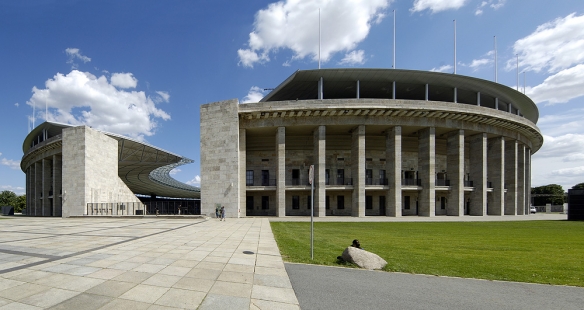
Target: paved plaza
[147, 263]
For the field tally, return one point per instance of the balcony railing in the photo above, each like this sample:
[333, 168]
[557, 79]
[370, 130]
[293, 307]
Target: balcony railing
[468, 184]
[344, 181]
[412, 182]
[442, 182]
[372, 181]
[265, 182]
[298, 181]
[489, 184]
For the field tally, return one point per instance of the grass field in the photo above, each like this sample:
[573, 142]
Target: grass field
[548, 252]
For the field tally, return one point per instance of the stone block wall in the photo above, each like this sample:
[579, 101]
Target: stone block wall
[220, 158]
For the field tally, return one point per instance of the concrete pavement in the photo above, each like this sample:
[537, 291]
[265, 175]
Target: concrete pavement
[149, 263]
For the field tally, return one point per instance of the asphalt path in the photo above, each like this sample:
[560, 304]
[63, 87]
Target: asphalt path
[321, 287]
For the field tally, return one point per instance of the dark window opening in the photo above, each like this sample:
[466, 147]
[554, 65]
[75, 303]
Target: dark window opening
[249, 178]
[369, 202]
[295, 202]
[340, 202]
[265, 202]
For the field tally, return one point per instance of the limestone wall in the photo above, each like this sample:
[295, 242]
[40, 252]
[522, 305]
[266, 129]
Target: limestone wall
[90, 171]
[220, 158]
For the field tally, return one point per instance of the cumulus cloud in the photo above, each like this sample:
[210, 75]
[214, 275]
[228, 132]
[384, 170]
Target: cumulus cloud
[445, 68]
[195, 182]
[124, 80]
[564, 146]
[18, 190]
[562, 122]
[174, 171]
[559, 160]
[13, 164]
[293, 24]
[353, 58]
[570, 172]
[553, 46]
[75, 54]
[560, 87]
[16, 105]
[495, 5]
[82, 98]
[163, 95]
[255, 94]
[437, 5]
[476, 64]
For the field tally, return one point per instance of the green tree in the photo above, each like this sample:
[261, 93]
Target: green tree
[578, 186]
[7, 198]
[19, 203]
[551, 193]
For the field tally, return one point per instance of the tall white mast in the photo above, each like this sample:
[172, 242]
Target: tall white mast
[455, 46]
[495, 37]
[393, 65]
[517, 55]
[319, 38]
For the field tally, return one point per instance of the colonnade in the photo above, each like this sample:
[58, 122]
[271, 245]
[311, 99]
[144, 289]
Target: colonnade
[44, 186]
[496, 179]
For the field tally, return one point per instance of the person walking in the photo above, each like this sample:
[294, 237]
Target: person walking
[222, 213]
[217, 210]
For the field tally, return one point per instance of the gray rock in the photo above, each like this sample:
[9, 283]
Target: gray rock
[363, 258]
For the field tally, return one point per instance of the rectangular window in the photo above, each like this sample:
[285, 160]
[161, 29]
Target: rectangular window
[368, 202]
[340, 177]
[407, 202]
[295, 176]
[327, 202]
[327, 176]
[308, 202]
[265, 202]
[340, 202]
[442, 203]
[382, 205]
[249, 178]
[265, 178]
[382, 177]
[295, 202]
[249, 202]
[368, 177]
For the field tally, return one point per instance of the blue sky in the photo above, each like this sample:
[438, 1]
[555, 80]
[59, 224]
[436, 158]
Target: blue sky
[143, 68]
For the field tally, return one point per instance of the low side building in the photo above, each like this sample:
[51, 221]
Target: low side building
[382, 142]
[69, 170]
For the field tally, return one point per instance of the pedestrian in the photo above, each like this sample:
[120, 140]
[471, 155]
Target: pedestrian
[222, 213]
[217, 209]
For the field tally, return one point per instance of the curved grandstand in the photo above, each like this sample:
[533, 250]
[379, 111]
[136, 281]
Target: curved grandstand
[69, 167]
[383, 142]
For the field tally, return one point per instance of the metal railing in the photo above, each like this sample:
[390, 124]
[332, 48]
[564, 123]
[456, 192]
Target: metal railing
[468, 184]
[412, 182]
[489, 184]
[344, 181]
[116, 208]
[298, 181]
[265, 182]
[442, 182]
[372, 181]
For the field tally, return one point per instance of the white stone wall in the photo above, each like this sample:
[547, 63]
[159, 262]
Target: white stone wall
[90, 171]
[220, 158]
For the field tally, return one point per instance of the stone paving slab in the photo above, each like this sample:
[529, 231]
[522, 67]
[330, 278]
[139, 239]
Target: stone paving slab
[141, 263]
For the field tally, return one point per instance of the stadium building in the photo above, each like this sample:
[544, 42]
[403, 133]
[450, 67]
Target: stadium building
[74, 171]
[383, 142]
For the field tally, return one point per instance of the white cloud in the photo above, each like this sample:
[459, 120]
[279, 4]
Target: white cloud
[564, 146]
[13, 164]
[559, 161]
[569, 172]
[124, 80]
[164, 95]
[255, 94]
[293, 24]
[554, 46]
[174, 171]
[75, 53]
[16, 105]
[437, 5]
[560, 87]
[82, 98]
[562, 123]
[478, 63]
[445, 68]
[195, 182]
[18, 190]
[497, 5]
[353, 58]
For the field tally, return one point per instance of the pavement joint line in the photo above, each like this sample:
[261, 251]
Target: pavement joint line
[93, 249]
[27, 254]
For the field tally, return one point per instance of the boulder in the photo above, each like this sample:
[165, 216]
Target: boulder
[363, 259]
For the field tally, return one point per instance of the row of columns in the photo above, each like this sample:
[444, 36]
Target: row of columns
[505, 162]
[42, 177]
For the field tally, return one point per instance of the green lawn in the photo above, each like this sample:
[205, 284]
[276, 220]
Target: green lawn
[549, 252]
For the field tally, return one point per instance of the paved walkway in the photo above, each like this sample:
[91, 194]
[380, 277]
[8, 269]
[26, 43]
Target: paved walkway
[149, 263]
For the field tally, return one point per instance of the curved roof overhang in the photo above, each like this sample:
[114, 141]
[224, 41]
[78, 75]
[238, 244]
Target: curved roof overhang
[303, 85]
[144, 168]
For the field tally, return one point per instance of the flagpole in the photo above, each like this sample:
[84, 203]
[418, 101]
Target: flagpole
[393, 65]
[495, 38]
[318, 38]
[517, 55]
[455, 46]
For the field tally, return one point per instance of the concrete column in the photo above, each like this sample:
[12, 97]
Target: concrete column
[57, 185]
[393, 164]
[38, 188]
[281, 172]
[455, 170]
[521, 179]
[496, 175]
[511, 177]
[358, 170]
[427, 171]
[47, 182]
[27, 190]
[478, 174]
[527, 180]
[319, 171]
[242, 166]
